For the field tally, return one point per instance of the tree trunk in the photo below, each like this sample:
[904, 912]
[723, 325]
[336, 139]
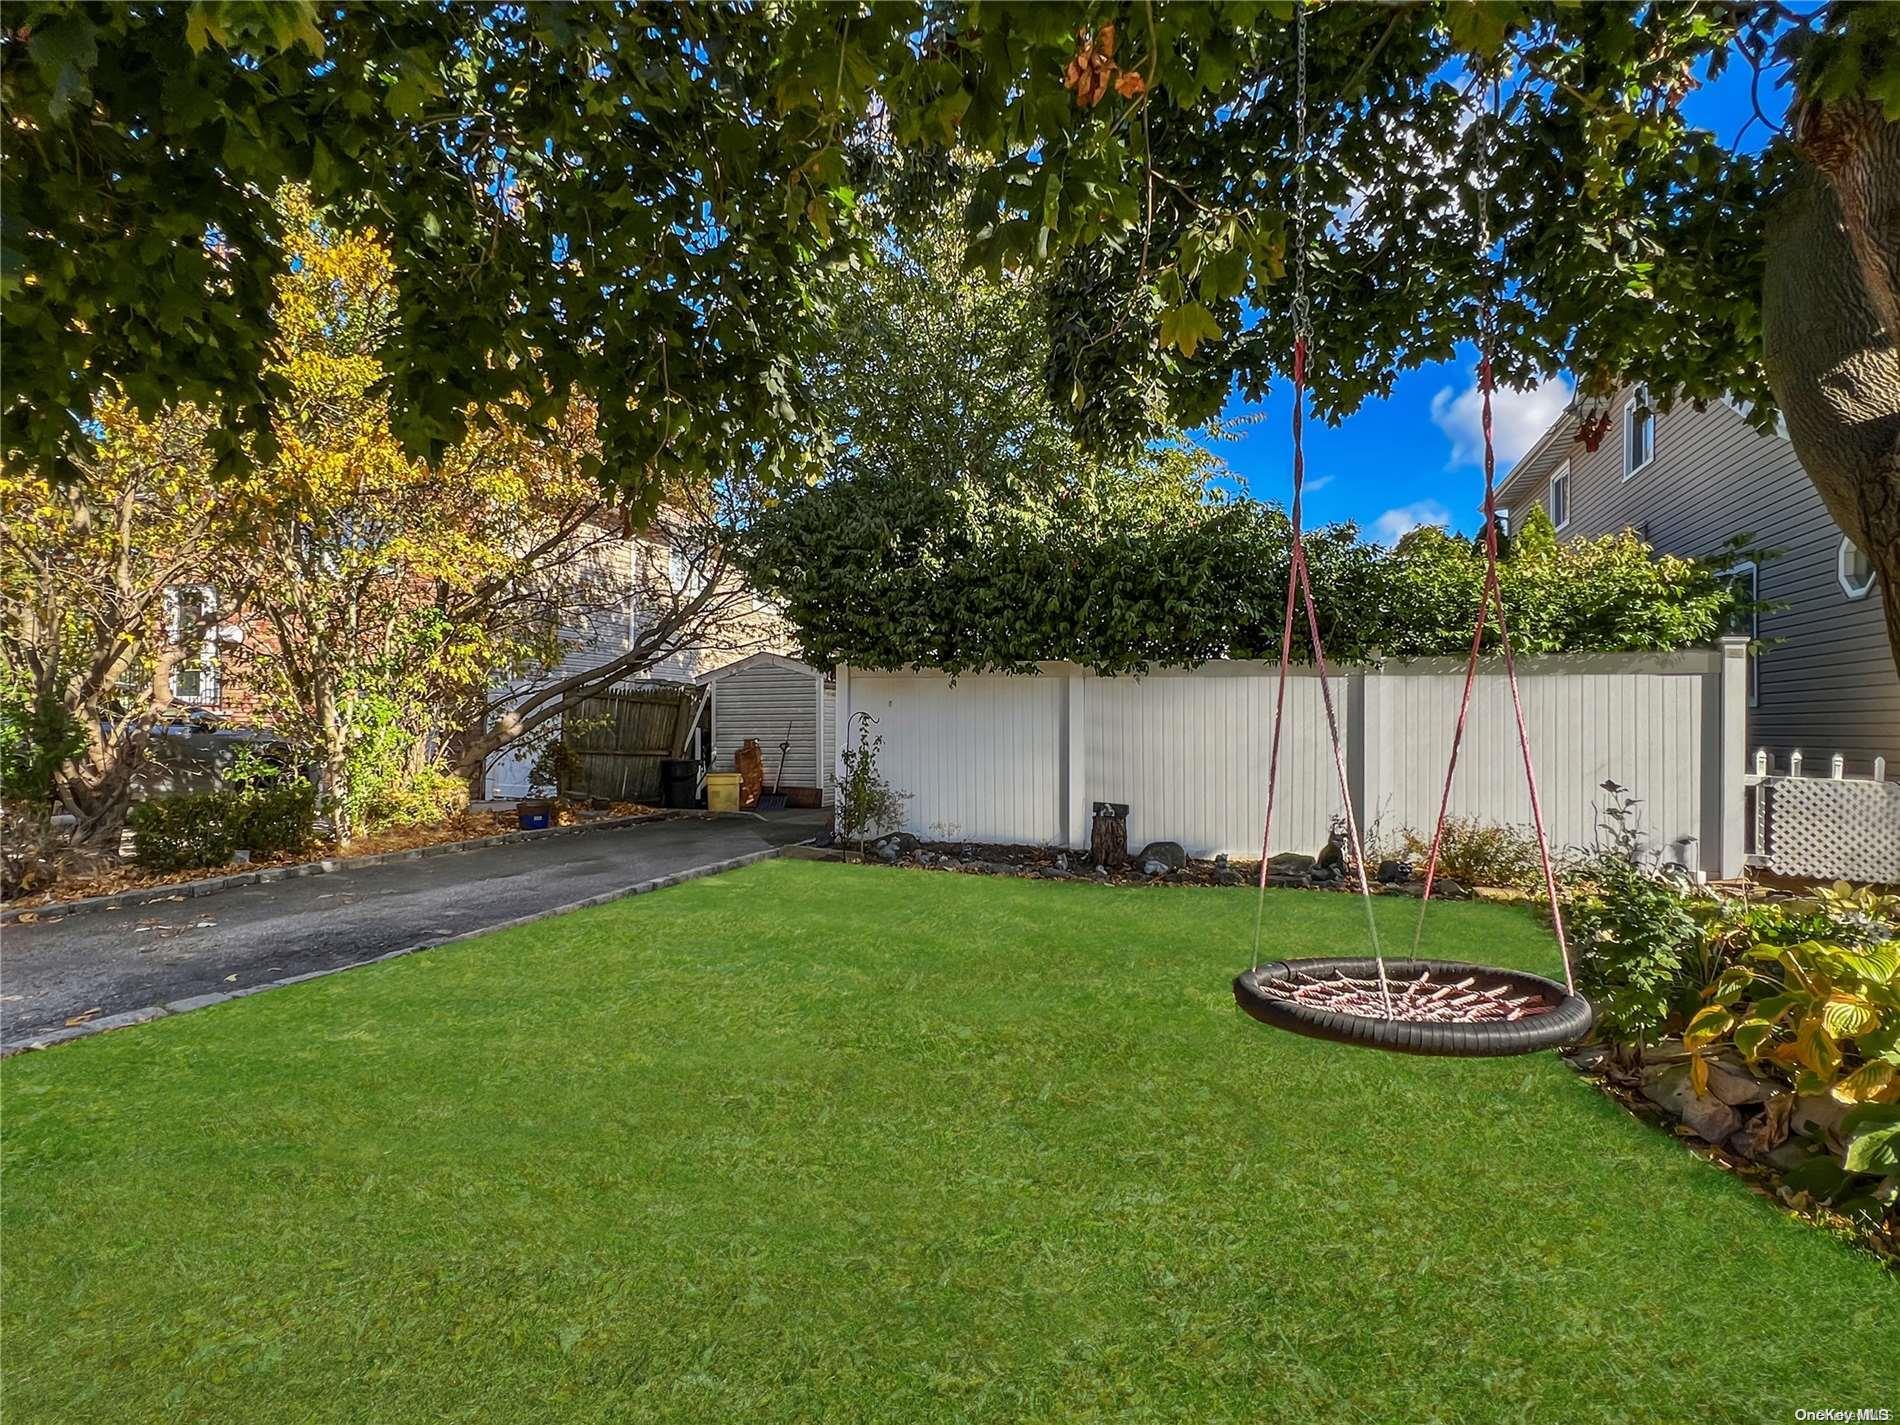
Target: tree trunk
[1831, 326]
[332, 765]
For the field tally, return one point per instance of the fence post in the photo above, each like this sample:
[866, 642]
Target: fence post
[841, 737]
[1072, 738]
[1724, 758]
[1365, 743]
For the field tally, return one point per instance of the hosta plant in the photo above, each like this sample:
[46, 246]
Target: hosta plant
[1827, 1013]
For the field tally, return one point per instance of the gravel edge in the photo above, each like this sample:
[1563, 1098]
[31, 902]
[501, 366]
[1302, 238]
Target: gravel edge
[211, 885]
[126, 1018]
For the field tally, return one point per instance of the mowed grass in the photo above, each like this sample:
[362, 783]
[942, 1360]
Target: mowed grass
[816, 1142]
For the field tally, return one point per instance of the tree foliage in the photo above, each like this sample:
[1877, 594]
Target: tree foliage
[602, 199]
[634, 201]
[869, 577]
[89, 640]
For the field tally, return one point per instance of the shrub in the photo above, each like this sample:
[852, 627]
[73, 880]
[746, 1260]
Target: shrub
[866, 802]
[206, 829]
[1636, 943]
[420, 799]
[1482, 854]
[1809, 992]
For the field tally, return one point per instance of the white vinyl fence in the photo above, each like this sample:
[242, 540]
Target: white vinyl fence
[1022, 759]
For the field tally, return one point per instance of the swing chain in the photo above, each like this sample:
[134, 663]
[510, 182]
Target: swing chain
[1302, 307]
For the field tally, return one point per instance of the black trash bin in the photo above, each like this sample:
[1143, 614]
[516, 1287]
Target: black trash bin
[679, 781]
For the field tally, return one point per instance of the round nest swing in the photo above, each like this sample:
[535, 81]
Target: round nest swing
[1411, 1006]
[1424, 1006]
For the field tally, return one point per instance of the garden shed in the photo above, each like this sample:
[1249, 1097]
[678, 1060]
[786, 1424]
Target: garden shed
[773, 700]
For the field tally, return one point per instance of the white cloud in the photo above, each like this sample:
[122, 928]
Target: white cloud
[1313, 487]
[1517, 419]
[1394, 525]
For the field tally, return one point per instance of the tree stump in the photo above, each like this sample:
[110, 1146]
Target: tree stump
[1108, 836]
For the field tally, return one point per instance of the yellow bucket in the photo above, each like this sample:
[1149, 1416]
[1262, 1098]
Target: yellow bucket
[722, 791]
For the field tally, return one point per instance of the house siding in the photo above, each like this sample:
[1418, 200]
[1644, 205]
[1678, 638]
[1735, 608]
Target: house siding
[1826, 682]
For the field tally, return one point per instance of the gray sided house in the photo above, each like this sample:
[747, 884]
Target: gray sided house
[1688, 480]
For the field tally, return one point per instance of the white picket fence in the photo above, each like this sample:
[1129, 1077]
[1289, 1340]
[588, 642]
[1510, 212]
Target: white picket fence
[1829, 826]
[1021, 759]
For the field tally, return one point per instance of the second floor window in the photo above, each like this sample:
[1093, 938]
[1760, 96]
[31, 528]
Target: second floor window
[1639, 431]
[190, 610]
[1856, 570]
[1560, 496]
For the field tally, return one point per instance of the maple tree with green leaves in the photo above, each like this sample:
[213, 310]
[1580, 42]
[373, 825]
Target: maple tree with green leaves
[636, 203]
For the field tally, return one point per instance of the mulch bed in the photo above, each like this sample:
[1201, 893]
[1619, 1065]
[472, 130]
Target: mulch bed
[469, 826]
[1057, 864]
[1594, 1063]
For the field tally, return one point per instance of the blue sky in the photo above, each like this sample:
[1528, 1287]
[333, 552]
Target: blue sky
[1414, 458]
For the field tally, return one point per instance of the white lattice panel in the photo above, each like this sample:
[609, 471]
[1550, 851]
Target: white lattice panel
[1833, 830]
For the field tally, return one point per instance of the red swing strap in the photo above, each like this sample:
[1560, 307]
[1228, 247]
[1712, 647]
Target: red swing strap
[1493, 595]
[1299, 584]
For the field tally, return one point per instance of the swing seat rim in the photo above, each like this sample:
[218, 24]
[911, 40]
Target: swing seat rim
[1568, 1020]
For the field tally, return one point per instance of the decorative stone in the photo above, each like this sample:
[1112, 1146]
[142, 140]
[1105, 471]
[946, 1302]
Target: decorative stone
[1733, 1084]
[1155, 868]
[1705, 1115]
[1819, 1114]
[1290, 863]
[1171, 854]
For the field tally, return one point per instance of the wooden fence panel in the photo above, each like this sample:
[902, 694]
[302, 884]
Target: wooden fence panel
[616, 740]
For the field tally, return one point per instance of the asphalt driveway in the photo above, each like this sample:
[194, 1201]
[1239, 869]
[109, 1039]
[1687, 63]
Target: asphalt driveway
[108, 961]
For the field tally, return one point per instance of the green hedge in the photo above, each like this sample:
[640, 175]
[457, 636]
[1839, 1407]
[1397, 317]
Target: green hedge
[207, 828]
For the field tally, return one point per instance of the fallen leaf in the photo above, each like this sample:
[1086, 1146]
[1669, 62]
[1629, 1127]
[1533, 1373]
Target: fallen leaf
[228, 979]
[82, 1017]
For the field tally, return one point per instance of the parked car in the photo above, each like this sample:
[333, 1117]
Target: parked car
[196, 751]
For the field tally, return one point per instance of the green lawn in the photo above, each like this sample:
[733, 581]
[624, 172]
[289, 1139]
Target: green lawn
[816, 1142]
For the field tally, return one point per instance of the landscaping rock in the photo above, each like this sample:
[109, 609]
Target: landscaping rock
[1588, 1056]
[1155, 868]
[1171, 854]
[1730, 1081]
[1819, 1114]
[1290, 863]
[1705, 1115]
[902, 843]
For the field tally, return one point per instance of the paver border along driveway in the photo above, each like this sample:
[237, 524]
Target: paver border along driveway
[114, 963]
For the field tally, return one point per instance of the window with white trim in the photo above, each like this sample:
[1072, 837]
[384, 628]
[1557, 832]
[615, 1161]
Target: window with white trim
[191, 612]
[1639, 431]
[1746, 579]
[1560, 495]
[1854, 569]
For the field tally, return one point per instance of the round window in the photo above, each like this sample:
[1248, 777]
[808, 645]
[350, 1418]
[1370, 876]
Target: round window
[1856, 570]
